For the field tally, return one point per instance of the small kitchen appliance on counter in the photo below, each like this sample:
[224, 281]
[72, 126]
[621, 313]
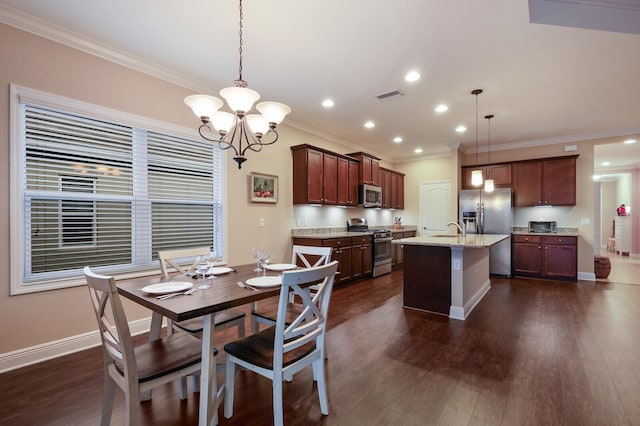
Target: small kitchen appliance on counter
[381, 244]
[544, 227]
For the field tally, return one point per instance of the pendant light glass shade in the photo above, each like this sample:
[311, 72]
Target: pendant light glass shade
[488, 185]
[223, 121]
[476, 177]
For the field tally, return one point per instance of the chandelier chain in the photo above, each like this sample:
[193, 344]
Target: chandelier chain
[240, 48]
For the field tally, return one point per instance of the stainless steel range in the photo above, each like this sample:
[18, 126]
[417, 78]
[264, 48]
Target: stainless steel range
[381, 244]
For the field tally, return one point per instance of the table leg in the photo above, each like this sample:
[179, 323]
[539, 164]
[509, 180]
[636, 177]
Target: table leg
[156, 326]
[208, 379]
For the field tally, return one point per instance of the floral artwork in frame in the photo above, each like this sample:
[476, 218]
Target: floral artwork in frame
[263, 188]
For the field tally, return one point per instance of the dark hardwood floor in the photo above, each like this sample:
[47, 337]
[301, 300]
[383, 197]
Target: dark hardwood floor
[531, 353]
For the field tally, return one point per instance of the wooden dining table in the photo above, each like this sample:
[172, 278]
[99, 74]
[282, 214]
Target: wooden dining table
[224, 293]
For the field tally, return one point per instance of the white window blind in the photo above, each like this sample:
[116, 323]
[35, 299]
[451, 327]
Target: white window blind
[110, 195]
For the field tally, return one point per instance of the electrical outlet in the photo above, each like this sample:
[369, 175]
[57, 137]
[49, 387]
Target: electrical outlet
[261, 222]
[585, 221]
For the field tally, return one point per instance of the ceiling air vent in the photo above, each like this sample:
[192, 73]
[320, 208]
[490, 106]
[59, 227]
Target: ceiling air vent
[385, 97]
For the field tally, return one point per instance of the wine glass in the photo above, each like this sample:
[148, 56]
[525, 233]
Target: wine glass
[256, 255]
[202, 267]
[264, 260]
[212, 258]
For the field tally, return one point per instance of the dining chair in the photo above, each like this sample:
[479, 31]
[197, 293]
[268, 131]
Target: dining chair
[283, 350]
[223, 320]
[135, 369]
[303, 256]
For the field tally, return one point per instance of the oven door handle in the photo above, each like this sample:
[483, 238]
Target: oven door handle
[382, 240]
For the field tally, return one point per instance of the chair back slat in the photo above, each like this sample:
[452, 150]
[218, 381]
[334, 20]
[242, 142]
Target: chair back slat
[309, 324]
[311, 256]
[173, 258]
[116, 338]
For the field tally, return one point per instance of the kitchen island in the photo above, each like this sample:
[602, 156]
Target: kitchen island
[447, 274]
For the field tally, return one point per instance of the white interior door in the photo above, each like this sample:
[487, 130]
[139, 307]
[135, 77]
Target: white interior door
[435, 207]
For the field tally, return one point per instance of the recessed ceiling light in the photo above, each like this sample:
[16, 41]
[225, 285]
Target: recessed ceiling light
[418, 150]
[461, 129]
[369, 124]
[441, 108]
[412, 76]
[606, 163]
[397, 139]
[327, 103]
[630, 141]
[596, 177]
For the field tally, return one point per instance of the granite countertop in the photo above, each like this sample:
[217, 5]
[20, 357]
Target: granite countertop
[469, 241]
[341, 232]
[565, 232]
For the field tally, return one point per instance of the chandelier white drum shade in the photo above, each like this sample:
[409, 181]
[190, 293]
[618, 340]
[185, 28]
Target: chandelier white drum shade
[238, 130]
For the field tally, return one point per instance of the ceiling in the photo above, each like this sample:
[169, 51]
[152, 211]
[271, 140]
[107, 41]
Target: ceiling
[544, 83]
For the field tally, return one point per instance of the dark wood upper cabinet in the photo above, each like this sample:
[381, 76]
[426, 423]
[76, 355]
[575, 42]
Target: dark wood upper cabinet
[314, 176]
[547, 182]
[369, 168]
[500, 173]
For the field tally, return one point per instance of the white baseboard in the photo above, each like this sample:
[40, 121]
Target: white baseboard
[586, 276]
[459, 313]
[35, 354]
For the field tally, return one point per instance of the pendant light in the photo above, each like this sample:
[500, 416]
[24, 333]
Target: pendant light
[488, 183]
[476, 175]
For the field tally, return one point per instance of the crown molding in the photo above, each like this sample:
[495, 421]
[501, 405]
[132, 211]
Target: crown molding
[41, 28]
[532, 143]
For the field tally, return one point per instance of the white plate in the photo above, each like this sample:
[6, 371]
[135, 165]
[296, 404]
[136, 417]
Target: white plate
[218, 270]
[264, 281]
[281, 266]
[164, 288]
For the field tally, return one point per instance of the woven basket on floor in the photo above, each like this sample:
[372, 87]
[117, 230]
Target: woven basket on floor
[602, 266]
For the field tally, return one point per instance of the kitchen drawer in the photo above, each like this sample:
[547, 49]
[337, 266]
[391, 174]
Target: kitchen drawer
[527, 239]
[560, 240]
[365, 239]
[337, 242]
[408, 234]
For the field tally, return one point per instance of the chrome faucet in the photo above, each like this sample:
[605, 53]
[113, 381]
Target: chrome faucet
[462, 227]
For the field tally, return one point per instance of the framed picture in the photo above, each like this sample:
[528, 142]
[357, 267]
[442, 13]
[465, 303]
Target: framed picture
[263, 188]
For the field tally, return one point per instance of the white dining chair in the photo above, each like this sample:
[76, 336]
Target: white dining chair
[303, 256]
[135, 369]
[283, 350]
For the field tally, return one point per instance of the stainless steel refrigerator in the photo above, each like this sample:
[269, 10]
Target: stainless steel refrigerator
[490, 213]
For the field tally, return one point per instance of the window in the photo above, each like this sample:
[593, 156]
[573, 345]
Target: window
[93, 186]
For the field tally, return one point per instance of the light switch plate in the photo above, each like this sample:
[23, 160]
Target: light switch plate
[585, 221]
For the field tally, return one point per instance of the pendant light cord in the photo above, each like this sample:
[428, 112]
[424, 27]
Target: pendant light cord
[240, 48]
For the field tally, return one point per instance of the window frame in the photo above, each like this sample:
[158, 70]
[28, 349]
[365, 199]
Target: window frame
[19, 96]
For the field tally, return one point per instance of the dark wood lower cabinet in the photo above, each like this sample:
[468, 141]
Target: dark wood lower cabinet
[552, 257]
[397, 258]
[354, 254]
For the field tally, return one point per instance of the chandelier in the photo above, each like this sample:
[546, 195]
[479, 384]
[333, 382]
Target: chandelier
[238, 130]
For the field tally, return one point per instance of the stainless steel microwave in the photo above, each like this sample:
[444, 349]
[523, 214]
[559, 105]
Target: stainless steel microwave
[370, 196]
